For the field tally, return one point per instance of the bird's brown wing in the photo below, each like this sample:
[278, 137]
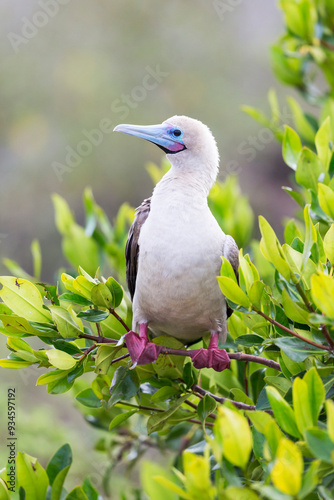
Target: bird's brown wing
[132, 246]
[231, 252]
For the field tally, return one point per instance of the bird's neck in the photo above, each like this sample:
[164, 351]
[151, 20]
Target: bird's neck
[184, 184]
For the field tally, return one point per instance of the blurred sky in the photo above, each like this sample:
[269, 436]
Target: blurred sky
[71, 67]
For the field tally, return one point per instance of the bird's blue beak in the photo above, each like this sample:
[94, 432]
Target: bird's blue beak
[161, 135]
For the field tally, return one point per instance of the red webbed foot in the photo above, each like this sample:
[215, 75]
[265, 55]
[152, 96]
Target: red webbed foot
[212, 357]
[141, 350]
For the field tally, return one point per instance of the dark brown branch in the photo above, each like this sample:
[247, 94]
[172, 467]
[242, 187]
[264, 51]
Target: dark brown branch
[220, 399]
[120, 358]
[98, 340]
[86, 352]
[114, 313]
[151, 408]
[239, 356]
[328, 45]
[291, 332]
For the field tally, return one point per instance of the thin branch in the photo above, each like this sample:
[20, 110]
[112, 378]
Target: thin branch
[120, 358]
[328, 45]
[151, 408]
[220, 399]
[291, 332]
[114, 313]
[86, 352]
[98, 340]
[239, 356]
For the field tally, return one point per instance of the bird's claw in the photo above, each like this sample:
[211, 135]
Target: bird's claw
[215, 358]
[142, 352]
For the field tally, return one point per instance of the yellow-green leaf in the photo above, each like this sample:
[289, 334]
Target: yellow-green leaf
[322, 142]
[326, 199]
[271, 249]
[292, 147]
[302, 405]
[329, 244]
[288, 468]
[330, 418]
[66, 325]
[323, 292]
[236, 436]
[293, 310]
[233, 292]
[23, 298]
[60, 359]
[31, 476]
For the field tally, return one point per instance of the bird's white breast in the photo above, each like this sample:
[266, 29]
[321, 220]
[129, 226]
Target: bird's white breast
[180, 248]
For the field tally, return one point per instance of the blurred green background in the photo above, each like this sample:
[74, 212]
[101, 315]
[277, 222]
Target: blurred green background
[67, 65]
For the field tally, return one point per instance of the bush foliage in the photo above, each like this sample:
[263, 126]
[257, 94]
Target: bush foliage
[264, 428]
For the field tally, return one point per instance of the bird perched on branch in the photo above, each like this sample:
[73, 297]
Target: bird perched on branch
[174, 249]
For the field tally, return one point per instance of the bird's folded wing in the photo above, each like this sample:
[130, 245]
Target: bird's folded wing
[132, 246]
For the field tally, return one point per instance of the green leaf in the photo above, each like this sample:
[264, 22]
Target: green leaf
[116, 291]
[197, 476]
[297, 349]
[15, 364]
[77, 494]
[271, 249]
[233, 430]
[232, 291]
[31, 476]
[51, 376]
[304, 128]
[293, 310]
[255, 294]
[288, 468]
[57, 470]
[101, 296]
[302, 405]
[322, 142]
[157, 421]
[64, 322]
[16, 324]
[227, 270]
[171, 487]
[123, 386]
[326, 199]
[329, 244]
[164, 393]
[249, 340]
[292, 147]
[82, 286]
[322, 293]
[206, 406]
[93, 315]
[283, 412]
[330, 418]
[23, 298]
[60, 359]
[88, 398]
[310, 479]
[149, 473]
[63, 216]
[37, 258]
[90, 491]
[310, 170]
[76, 299]
[240, 493]
[320, 444]
[316, 392]
[169, 366]
[4, 493]
[119, 419]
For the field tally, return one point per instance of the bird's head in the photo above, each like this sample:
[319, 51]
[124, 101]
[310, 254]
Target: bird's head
[188, 143]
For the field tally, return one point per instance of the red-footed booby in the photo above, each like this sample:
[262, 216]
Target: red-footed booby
[174, 249]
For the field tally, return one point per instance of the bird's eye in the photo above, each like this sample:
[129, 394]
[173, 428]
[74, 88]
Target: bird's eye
[177, 132]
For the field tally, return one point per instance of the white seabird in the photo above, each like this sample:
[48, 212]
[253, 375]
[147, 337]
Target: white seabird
[175, 246]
